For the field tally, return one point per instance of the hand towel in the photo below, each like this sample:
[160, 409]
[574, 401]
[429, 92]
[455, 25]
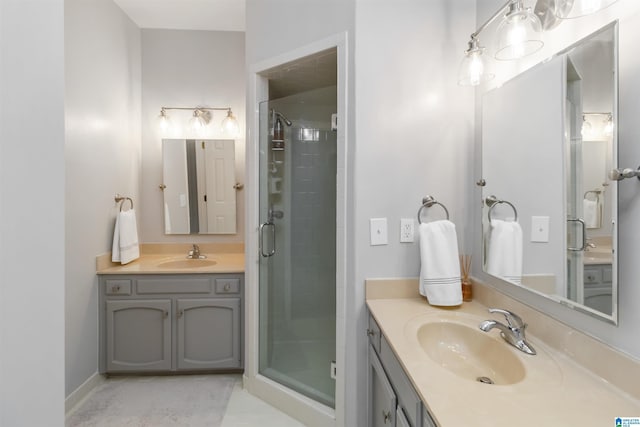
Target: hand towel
[125, 238]
[504, 258]
[440, 266]
[591, 213]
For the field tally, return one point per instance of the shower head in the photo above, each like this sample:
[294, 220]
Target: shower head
[279, 114]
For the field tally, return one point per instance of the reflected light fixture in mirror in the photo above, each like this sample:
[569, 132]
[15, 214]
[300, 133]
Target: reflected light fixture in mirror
[569, 9]
[163, 120]
[518, 33]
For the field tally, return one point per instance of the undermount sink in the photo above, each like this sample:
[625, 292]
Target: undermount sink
[187, 263]
[470, 353]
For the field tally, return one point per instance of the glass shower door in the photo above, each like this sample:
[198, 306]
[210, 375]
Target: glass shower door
[297, 243]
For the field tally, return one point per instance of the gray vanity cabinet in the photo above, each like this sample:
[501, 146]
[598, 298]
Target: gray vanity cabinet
[170, 323]
[196, 319]
[392, 399]
[138, 335]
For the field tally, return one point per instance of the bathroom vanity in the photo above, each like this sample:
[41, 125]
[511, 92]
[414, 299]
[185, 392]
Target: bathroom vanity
[432, 366]
[170, 319]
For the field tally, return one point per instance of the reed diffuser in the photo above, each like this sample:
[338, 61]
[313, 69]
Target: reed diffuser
[465, 269]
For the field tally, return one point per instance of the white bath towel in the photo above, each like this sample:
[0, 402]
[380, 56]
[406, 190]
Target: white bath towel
[504, 257]
[125, 238]
[440, 266]
[591, 213]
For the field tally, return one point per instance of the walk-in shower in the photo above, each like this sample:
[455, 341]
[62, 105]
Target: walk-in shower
[297, 243]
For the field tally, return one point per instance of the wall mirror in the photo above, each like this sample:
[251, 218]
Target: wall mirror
[549, 208]
[199, 186]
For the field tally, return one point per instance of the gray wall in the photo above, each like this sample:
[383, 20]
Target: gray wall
[32, 213]
[102, 152]
[624, 336]
[413, 125]
[188, 69]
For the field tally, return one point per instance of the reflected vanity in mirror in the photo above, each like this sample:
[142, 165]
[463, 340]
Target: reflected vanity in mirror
[550, 210]
[199, 186]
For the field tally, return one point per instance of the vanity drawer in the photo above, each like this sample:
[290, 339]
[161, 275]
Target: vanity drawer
[117, 287]
[227, 286]
[173, 286]
[407, 397]
[374, 334]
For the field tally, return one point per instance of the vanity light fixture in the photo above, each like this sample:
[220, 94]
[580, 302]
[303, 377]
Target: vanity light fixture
[201, 118]
[518, 33]
[597, 126]
[517, 38]
[608, 125]
[586, 127]
[569, 9]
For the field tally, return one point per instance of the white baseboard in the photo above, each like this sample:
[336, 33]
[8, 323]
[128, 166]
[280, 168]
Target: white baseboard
[81, 392]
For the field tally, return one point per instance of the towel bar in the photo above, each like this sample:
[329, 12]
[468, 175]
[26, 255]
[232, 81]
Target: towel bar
[121, 199]
[427, 202]
[493, 201]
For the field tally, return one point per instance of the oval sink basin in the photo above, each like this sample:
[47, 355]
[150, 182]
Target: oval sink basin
[187, 263]
[470, 353]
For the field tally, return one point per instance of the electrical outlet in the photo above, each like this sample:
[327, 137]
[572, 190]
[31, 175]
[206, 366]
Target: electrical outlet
[406, 230]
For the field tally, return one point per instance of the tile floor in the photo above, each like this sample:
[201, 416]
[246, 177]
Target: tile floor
[171, 401]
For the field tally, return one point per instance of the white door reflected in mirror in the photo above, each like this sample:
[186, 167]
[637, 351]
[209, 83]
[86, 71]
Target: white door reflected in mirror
[199, 186]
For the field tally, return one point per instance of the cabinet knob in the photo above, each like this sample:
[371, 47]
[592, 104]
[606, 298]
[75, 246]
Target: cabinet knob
[166, 314]
[115, 288]
[370, 332]
[227, 287]
[386, 416]
[180, 313]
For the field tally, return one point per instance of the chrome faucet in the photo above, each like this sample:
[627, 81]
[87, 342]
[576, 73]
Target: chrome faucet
[513, 333]
[590, 244]
[194, 253]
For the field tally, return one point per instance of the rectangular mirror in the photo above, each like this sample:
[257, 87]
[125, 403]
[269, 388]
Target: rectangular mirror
[550, 210]
[199, 186]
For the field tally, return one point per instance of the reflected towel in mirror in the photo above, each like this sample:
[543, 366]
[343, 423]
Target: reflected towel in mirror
[504, 257]
[439, 265]
[125, 238]
[591, 213]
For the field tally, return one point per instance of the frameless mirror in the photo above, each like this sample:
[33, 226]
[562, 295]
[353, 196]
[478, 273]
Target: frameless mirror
[550, 210]
[199, 186]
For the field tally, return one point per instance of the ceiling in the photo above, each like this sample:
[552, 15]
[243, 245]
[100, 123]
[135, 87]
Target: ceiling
[212, 15]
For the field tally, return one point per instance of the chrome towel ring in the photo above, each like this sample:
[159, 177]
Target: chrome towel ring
[493, 201]
[427, 202]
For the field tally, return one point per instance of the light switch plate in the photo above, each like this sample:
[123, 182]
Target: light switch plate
[540, 229]
[378, 228]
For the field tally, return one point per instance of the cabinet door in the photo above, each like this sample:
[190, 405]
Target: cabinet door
[138, 335]
[208, 333]
[401, 419]
[382, 399]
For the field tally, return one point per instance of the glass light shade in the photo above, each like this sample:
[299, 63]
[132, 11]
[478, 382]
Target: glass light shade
[518, 34]
[163, 121]
[587, 129]
[569, 9]
[197, 123]
[473, 70]
[608, 126]
[230, 125]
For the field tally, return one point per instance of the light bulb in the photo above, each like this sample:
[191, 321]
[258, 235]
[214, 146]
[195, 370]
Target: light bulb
[163, 121]
[472, 68]
[608, 126]
[197, 123]
[518, 33]
[586, 128]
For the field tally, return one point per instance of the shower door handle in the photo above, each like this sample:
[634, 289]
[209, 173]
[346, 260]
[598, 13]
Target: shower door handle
[583, 227]
[273, 238]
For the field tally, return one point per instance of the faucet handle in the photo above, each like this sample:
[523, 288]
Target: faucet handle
[514, 321]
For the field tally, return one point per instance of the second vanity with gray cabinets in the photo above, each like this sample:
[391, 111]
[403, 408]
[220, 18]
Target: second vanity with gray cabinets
[163, 320]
